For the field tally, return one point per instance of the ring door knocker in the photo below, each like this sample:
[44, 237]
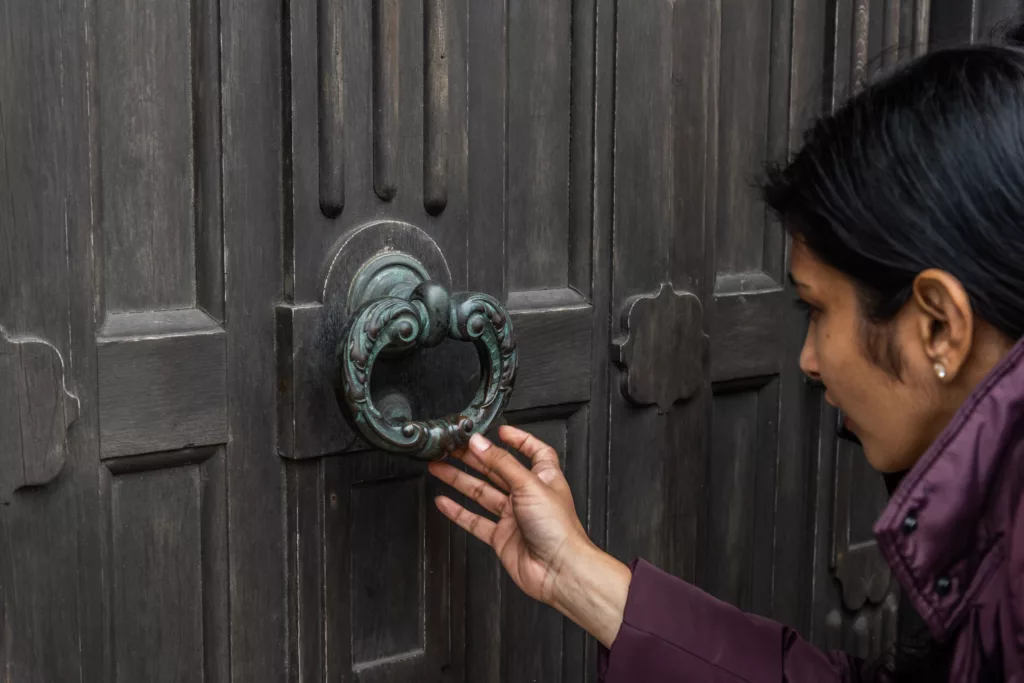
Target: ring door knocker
[398, 308]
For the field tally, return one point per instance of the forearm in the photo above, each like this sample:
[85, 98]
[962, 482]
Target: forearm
[591, 588]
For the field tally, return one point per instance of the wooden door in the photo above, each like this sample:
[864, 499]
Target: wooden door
[181, 498]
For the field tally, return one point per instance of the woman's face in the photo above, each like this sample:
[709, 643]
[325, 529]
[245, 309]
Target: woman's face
[882, 378]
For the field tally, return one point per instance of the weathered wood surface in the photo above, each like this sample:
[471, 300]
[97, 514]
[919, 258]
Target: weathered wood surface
[173, 177]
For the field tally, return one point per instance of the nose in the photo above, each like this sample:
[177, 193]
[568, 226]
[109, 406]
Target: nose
[809, 359]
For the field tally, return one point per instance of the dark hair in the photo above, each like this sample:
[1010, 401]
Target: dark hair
[922, 169]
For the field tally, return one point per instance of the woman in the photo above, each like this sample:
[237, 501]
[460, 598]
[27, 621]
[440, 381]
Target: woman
[906, 209]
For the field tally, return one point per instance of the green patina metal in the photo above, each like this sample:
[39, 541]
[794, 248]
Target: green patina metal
[394, 314]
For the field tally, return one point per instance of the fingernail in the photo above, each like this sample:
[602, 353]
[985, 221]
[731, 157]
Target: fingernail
[479, 443]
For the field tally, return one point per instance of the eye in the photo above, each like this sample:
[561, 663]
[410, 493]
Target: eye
[809, 309]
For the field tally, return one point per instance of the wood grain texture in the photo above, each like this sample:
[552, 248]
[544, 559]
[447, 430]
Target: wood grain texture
[746, 336]
[565, 156]
[387, 51]
[147, 167]
[955, 22]
[554, 356]
[486, 236]
[331, 105]
[651, 456]
[253, 140]
[540, 58]
[160, 132]
[206, 158]
[162, 383]
[50, 577]
[38, 410]
[436, 107]
[745, 88]
[662, 329]
[387, 596]
[170, 578]
[741, 496]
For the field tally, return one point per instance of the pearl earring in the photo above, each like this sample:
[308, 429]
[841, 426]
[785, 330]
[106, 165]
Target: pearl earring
[940, 370]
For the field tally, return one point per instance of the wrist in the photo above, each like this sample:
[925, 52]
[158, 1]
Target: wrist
[591, 588]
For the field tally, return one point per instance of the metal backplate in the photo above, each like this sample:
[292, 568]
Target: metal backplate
[311, 423]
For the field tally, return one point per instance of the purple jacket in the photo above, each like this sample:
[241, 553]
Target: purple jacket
[953, 533]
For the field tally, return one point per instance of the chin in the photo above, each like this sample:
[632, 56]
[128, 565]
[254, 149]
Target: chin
[882, 462]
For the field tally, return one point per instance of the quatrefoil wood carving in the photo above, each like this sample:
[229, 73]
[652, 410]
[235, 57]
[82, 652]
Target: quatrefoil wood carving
[664, 348]
[36, 410]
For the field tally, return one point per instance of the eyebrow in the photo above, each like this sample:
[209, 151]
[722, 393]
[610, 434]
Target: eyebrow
[795, 282]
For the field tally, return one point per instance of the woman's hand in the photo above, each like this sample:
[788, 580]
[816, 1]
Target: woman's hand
[537, 536]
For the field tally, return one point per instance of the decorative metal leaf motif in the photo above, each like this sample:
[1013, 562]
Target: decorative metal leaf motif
[399, 323]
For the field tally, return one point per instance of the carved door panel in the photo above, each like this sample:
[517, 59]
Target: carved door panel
[191, 487]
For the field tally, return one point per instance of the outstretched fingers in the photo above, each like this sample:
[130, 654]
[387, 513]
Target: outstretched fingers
[481, 527]
[495, 462]
[467, 456]
[483, 493]
[543, 456]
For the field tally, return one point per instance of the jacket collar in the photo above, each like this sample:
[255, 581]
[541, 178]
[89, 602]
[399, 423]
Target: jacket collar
[934, 532]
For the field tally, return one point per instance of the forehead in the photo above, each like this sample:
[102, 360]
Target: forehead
[808, 271]
[803, 264]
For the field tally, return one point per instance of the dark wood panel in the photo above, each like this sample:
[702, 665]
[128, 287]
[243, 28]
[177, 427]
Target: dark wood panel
[555, 349]
[155, 148]
[387, 594]
[419, 133]
[37, 412]
[167, 553]
[593, 207]
[330, 106]
[436, 108]
[696, 55]
[555, 650]
[206, 153]
[252, 87]
[738, 567]
[387, 519]
[956, 22]
[540, 55]
[653, 457]
[746, 90]
[50, 571]
[387, 51]
[306, 504]
[747, 338]
[161, 382]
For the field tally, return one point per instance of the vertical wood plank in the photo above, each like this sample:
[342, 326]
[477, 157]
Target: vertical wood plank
[50, 575]
[331, 106]
[540, 54]
[158, 578]
[206, 114]
[147, 131]
[252, 96]
[436, 109]
[386, 97]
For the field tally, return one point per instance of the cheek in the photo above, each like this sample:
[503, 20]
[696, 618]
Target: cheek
[858, 387]
[836, 355]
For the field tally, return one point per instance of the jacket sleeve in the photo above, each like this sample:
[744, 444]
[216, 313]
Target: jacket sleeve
[673, 632]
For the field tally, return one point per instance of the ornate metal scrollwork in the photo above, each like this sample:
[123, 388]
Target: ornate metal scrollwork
[425, 318]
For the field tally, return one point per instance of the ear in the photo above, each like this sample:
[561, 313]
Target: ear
[947, 321]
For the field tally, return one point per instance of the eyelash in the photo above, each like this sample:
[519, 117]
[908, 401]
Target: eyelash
[808, 309]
